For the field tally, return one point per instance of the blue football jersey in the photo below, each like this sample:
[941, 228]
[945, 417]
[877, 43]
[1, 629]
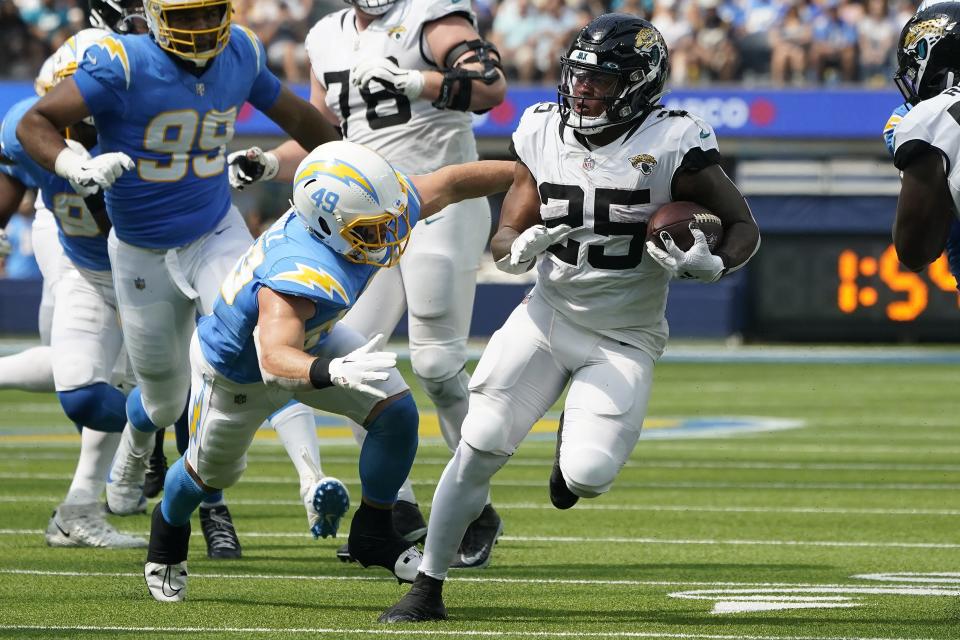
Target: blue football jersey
[289, 260]
[175, 126]
[79, 234]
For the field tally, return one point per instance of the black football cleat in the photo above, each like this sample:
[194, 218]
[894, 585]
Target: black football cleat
[560, 494]
[219, 532]
[481, 535]
[373, 542]
[407, 520]
[156, 469]
[423, 603]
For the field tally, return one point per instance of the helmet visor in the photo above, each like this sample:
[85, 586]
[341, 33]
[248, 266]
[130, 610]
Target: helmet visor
[588, 90]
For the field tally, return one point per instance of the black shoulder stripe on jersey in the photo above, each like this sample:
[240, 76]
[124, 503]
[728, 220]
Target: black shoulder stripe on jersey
[908, 152]
[694, 160]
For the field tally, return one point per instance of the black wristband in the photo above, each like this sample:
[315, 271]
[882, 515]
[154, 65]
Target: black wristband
[320, 373]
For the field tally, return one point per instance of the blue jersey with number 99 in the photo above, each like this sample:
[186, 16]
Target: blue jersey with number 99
[175, 125]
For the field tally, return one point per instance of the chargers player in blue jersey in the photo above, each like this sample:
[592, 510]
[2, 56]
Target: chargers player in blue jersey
[85, 339]
[274, 335]
[165, 106]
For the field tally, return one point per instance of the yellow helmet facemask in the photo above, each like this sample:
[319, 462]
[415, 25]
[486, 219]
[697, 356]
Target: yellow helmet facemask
[196, 43]
[377, 240]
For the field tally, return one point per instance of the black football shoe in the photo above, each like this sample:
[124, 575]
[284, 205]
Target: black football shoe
[423, 603]
[407, 520]
[560, 494]
[219, 532]
[156, 469]
[374, 542]
[481, 535]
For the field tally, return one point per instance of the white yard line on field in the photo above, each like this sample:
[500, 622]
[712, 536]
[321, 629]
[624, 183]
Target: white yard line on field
[618, 540]
[706, 484]
[419, 631]
[536, 506]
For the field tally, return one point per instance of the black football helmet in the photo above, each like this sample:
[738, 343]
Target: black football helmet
[619, 60]
[118, 16]
[928, 53]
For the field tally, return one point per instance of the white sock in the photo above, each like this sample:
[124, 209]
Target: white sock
[96, 454]
[296, 426]
[457, 502]
[30, 370]
[140, 440]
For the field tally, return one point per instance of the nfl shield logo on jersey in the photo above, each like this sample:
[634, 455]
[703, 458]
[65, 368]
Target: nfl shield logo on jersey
[589, 163]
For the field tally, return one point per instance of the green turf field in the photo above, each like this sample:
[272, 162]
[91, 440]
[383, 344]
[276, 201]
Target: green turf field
[851, 520]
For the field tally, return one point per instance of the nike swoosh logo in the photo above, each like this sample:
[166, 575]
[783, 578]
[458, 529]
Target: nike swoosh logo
[65, 534]
[167, 587]
[219, 231]
[431, 219]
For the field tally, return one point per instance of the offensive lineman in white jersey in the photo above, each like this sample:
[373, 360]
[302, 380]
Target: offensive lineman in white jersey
[400, 76]
[593, 168]
[927, 139]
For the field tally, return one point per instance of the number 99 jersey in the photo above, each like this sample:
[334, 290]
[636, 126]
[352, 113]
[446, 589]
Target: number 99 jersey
[415, 136]
[602, 279]
[932, 123]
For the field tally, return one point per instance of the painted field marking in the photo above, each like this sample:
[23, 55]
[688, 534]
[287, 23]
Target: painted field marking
[457, 577]
[710, 485]
[537, 506]
[744, 600]
[421, 632]
[615, 539]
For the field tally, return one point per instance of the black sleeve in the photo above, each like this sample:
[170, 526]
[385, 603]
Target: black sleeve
[909, 150]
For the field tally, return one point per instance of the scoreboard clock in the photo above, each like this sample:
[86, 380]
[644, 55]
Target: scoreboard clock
[849, 288]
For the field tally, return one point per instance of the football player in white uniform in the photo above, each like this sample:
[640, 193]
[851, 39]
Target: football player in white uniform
[927, 139]
[32, 369]
[593, 168]
[401, 77]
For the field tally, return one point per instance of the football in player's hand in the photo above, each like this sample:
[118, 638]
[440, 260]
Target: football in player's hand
[676, 219]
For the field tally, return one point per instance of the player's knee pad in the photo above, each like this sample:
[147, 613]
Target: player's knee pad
[449, 391]
[388, 450]
[487, 425]
[589, 472]
[97, 406]
[436, 363]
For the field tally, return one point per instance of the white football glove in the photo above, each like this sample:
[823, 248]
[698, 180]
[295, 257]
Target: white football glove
[408, 82]
[363, 365]
[88, 175]
[251, 165]
[531, 243]
[5, 247]
[696, 263]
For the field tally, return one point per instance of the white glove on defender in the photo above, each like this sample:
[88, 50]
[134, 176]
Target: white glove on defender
[88, 175]
[251, 165]
[697, 263]
[529, 244]
[5, 247]
[408, 82]
[360, 366]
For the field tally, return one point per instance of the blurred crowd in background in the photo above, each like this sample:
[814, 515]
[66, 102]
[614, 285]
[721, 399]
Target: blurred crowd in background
[745, 42]
[759, 42]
